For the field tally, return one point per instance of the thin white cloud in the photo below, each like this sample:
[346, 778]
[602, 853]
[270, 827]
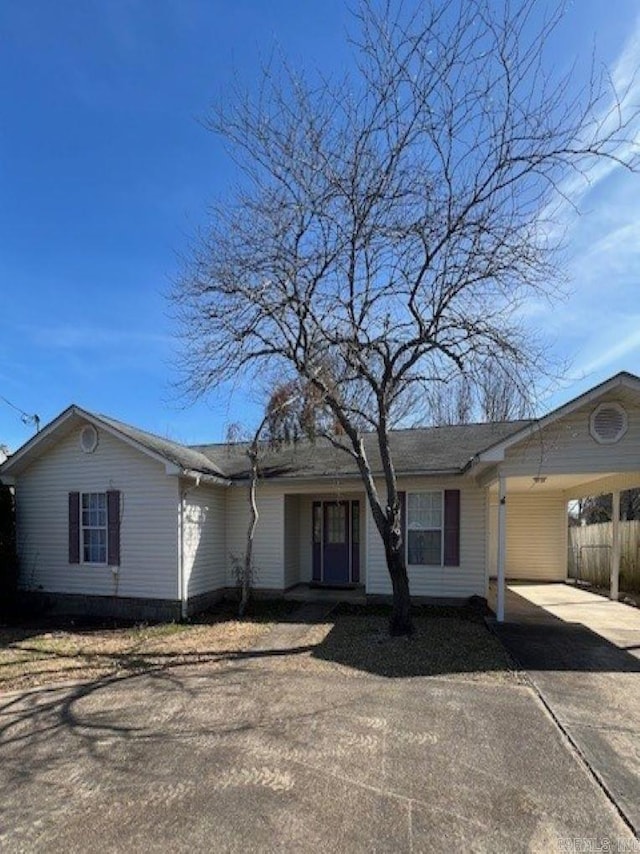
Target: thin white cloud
[597, 327]
[625, 79]
[612, 354]
[72, 337]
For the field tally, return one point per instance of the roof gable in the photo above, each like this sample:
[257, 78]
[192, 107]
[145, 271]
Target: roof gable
[176, 458]
[623, 380]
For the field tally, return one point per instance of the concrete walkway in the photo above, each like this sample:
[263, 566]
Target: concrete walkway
[582, 653]
[290, 633]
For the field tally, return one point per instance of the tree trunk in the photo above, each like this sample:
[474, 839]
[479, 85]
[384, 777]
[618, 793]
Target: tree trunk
[253, 523]
[401, 623]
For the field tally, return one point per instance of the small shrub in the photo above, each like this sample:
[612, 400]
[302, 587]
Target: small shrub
[244, 583]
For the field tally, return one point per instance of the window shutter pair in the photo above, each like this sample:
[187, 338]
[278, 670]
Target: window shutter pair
[113, 527]
[451, 532]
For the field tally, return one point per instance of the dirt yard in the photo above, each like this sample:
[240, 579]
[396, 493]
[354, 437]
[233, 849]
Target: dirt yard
[301, 732]
[47, 651]
[446, 642]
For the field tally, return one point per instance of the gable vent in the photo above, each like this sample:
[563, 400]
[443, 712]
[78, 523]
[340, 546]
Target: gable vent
[88, 439]
[608, 423]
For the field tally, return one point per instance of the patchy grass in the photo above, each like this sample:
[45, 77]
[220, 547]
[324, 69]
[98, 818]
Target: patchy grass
[450, 642]
[440, 646]
[447, 641]
[45, 651]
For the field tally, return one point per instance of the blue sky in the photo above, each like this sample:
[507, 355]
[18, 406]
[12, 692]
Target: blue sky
[105, 173]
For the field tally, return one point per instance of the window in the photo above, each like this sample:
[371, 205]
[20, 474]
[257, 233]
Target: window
[317, 523]
[335, 527]
[424, 528]
[94, 527]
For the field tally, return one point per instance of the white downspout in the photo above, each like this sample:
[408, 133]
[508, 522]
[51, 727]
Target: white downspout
[182, 576]
[502, 544]
[181, 573]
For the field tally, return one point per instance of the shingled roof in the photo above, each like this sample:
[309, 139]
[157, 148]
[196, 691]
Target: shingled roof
[421, 450]
[184, 456]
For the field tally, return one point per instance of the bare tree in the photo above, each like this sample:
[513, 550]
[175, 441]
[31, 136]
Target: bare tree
[599, 508]
[486, 394]
[390, 225]
[289, 414]
[451, 403]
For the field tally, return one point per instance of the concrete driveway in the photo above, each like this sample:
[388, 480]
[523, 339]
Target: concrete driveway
[582, 652]
[264, 754]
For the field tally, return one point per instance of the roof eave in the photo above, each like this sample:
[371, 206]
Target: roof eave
[205, 477]
[351, 476]
[10, 463]
[171, 467]
[495, 453]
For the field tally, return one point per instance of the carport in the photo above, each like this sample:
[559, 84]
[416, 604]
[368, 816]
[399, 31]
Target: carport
[590, 446]
[545, 604]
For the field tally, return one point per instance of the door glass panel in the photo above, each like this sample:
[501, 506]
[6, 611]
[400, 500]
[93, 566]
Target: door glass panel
[355, 522]
[317, 523]
[336, 532]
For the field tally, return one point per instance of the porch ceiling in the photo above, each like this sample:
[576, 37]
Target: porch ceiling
[574, 485]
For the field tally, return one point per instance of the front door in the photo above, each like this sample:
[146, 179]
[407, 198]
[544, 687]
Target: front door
[336, 543]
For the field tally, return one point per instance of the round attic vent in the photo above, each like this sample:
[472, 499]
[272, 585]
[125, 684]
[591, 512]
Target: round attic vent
[88, 439]
[608, 423]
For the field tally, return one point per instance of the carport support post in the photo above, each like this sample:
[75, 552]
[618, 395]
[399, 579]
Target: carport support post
[615, 546]
[502, 543]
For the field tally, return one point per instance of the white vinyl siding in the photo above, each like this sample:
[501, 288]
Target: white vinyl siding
[438, 581]
[567, 446]
[204, 547]
[536, 536]
[291, 540]
[149, 520]
[268, 548]
[282, 546]
[305, 542]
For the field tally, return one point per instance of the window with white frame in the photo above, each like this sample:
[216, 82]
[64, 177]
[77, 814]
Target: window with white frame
[424, 528]
[94, 527]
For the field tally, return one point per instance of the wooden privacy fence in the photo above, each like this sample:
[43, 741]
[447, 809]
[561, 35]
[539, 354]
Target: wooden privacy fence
[590, 554]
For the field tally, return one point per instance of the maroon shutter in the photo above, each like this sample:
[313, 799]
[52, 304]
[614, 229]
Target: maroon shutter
[74, 527]
[452, 527]
[113, 527]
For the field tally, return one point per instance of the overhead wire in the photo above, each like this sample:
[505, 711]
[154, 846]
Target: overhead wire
[25, 417]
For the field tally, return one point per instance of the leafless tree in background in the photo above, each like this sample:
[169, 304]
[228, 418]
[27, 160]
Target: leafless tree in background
[484, 396]
[595, 509]
[389, 226]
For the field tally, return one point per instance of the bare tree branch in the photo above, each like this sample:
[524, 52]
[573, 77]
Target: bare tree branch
[392, 224]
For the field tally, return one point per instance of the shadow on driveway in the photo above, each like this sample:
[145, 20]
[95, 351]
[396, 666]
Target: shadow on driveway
[591, 687]
[250, 756]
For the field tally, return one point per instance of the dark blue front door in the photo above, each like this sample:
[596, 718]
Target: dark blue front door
[336, 543]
